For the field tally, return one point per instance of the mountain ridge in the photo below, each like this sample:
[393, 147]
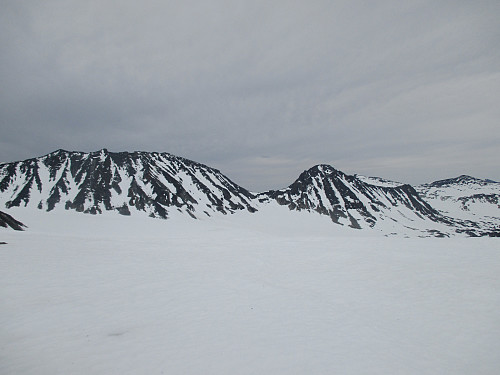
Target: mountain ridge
[159, 183]
[104, 181]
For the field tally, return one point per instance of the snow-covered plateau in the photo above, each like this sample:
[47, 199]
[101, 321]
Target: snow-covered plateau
[271, 292]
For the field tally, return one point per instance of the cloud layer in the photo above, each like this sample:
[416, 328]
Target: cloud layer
[260, 90]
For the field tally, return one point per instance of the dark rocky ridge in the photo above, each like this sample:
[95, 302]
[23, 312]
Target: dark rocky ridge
[7, 221]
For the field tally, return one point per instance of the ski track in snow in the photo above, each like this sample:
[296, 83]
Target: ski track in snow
[267, 293]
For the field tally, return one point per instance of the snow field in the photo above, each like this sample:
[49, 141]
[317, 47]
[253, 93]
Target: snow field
[108, 294]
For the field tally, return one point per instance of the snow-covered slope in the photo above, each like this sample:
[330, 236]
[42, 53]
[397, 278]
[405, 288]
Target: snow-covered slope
[155, 183]
[242, 294]
[378, 181]
[467, 199]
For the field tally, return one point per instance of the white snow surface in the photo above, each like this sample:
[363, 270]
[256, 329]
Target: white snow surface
[267, 293]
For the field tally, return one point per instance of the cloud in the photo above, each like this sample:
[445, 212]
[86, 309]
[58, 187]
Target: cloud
[276, 87]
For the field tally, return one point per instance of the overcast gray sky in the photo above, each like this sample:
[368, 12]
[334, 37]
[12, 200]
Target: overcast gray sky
[406, 90]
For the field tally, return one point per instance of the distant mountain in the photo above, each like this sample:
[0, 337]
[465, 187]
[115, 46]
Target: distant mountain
[463, 180]
[94, 182]
[467, 199]
[7, 221]
[159, 184]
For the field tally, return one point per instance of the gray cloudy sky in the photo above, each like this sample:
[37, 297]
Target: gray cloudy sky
[407, 90]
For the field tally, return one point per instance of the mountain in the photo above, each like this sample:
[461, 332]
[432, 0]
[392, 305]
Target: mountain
[94, 182]
[350, 200]
[160, 184]
[467, 199]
